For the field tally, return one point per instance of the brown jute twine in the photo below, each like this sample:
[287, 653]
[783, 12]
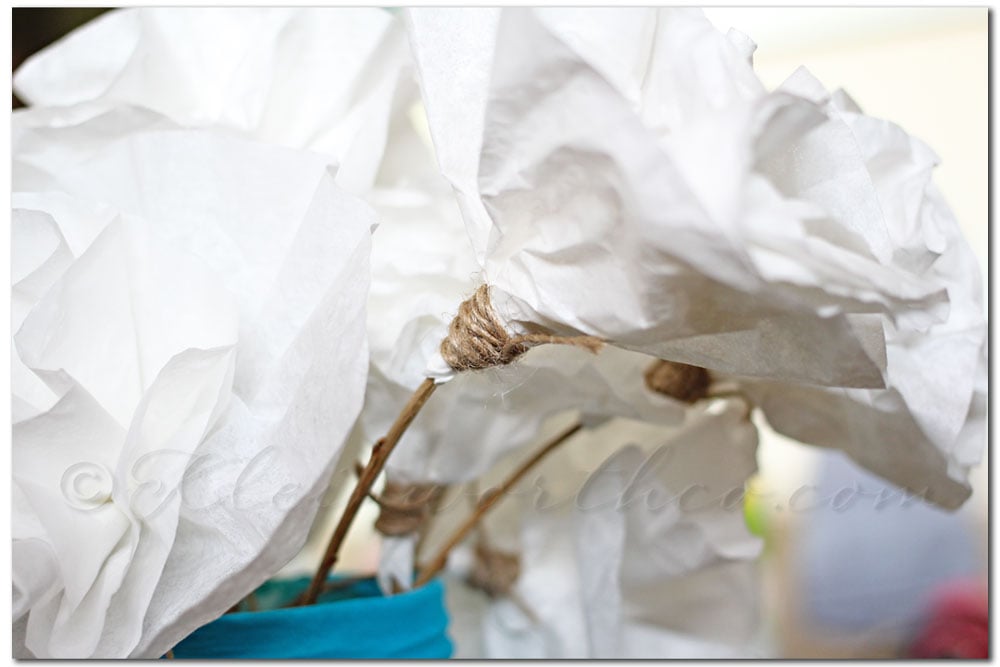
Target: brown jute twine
[679, 381]
[477, 338]
[406, 508]
[495, 572]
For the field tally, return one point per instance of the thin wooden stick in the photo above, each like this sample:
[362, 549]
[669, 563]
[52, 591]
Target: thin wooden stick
[489, 499]
[425, 529]
[380, 453]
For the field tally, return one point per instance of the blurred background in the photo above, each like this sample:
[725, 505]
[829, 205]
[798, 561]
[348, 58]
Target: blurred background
[860, 580]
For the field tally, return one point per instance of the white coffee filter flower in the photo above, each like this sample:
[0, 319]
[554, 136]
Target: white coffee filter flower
[190, 355]
[314, 78]
[926, 428]
[669, 203]
[621, 192]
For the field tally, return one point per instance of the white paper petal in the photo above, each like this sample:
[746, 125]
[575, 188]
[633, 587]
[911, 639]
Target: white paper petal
[120, 312]
[650, 558]
[202, 323]
[396, 561]
[304, 78]
[39, 256]
[925, 430]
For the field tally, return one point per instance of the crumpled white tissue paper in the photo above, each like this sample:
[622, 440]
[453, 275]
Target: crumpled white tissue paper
[190, 354]
[650, 558]
[311, 77]
[926, 429]
[652, 192]
[624, 188]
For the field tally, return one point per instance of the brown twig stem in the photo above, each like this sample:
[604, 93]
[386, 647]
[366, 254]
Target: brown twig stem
[425, 529]
[380, 453]
[489, 499]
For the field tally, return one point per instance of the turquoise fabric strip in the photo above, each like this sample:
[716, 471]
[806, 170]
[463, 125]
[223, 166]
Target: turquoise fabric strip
[355, 621]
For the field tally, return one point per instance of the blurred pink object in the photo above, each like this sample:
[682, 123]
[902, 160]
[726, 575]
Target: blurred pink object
[957, 625]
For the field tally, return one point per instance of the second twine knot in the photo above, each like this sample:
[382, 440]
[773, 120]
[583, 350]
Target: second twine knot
[681, 382]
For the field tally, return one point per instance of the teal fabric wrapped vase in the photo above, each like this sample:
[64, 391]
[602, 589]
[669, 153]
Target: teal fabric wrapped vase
[351, 621]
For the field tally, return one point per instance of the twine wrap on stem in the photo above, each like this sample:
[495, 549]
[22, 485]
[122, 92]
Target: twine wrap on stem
[494, 571]
[406, 508]
[477, 338]
[678, 381]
